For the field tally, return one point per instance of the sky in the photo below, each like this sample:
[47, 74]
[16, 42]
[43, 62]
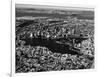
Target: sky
[53, 7]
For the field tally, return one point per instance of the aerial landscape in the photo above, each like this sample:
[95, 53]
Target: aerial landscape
[53, 39]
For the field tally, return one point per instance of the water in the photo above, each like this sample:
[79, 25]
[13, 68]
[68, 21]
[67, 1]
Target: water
[52, 45]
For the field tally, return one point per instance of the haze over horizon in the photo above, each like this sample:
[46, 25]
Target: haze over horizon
[54, 7]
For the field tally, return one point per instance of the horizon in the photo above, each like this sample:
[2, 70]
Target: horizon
[66, 8]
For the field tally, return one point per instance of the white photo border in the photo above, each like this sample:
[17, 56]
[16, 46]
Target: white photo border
[38, 74]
